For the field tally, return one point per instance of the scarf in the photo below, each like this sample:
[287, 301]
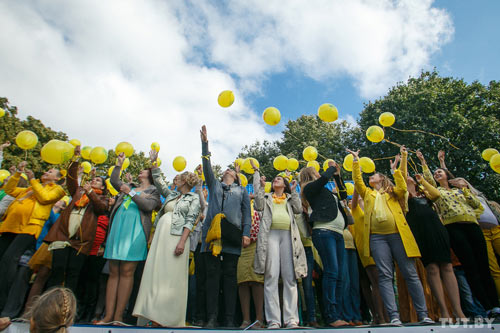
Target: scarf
[379, 208]
[84, 200]
[279, 200]
[214, 235]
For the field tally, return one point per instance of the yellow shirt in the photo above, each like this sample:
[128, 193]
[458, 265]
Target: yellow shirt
[281, 219]
[383, 227]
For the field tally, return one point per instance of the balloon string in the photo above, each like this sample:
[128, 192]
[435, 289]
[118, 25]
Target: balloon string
[320, 155]
[424, 132]
[412, 165]
[383, 158]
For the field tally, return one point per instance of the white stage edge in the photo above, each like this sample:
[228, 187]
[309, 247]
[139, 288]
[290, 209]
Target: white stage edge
[24, 328]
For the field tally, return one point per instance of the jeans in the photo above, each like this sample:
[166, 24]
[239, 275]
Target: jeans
[385, 249]
[470, 305]
[350, 287]
[330, 246]
[310, 298]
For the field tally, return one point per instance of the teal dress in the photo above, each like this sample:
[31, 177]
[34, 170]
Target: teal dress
[126, 240]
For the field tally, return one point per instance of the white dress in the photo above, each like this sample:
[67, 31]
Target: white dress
[163, 292]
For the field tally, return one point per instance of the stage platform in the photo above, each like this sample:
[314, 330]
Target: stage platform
[476, 327]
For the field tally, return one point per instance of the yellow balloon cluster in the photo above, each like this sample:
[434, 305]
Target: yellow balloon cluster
[325, 164]
[367, 165]
[267, 187]
[243, 180]
[110, 188]
[179, 163]
[4, 174]
[155, 146]
[386, 119]
[488, 153]
[310, 153]
[2, 112]
[86, 166]
[292, 164]
[280, 163]
[313, 164]
[57, 152]
[75, 142]
[247, 167]
[26, 140]
[495, 163]
[375, 133]
[328, 112]
[98, 155]
[85, 152]
[349, 188]
[226, 98]
[347, 165]
[271, 116]
[124, 147]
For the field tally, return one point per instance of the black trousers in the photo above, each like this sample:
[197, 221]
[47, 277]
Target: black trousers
[467, 241]
[12, 247]
[88, 287]
[17, 294]
[66, 267]
[223, 266]
[201, 294]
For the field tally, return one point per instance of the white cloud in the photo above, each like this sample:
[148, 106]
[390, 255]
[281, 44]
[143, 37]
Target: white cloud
[111, 71]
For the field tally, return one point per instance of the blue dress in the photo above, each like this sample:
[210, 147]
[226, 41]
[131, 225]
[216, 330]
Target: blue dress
[126, 240]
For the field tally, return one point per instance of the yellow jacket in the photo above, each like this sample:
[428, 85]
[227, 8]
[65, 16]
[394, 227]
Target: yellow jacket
[45, 197]
[369, 195]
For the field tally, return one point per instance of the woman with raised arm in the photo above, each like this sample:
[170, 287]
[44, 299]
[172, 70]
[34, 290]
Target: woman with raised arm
[388, 236]
[163, 293]
[328, 221]
[280, 250]
[459, 209]
[24, 219]
[72, 236]
[129, 230]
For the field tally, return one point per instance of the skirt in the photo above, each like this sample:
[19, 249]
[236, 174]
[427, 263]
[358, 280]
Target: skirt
[42, 257]
[245, 272]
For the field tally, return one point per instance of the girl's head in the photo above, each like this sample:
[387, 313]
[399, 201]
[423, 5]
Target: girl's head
[442, 175]
[307, 175]
[280, 183]
[187, 178]
[54, 311]
[146, 176]
[380, 181]
[98, 183]
[51, 176]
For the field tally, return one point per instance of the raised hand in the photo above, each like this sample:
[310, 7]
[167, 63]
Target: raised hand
[125, 189]
[419, 178]
[77, 151]
[203, 134]
[120, 159]
[394, 164]
[263, 181]
[128, 177]
[402, 149]
[153, 156]
[4, 145]
[441, 155]
[421, 157]
[30, 174]
[293, 185]
[87, 187]
[354, 153]
[253, 165]
[21, 166]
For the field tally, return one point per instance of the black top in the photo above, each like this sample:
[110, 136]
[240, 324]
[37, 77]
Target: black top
[323, 204]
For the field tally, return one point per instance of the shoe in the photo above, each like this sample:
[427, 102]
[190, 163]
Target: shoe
[257, 325]
[291, 326]
[396, 322]
[313, 324]
[273, 326]
[357, 323]
[229, 323]
[338, 323]
[211, 323]
[493, 313]
[245, 324]
[426, 321]
[199, 323]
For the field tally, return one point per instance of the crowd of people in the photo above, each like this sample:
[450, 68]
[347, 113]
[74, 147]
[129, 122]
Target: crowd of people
[202, 252]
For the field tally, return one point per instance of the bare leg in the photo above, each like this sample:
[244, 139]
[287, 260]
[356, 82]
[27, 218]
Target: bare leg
[451, 286]
[258, 300]
[125, 285]
[436, 285]
[377, 298]
[41, 279]
[112, 290]
[244, 292]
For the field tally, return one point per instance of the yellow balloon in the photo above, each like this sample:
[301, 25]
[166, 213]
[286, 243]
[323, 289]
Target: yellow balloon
[325, 164]
[313, 164]
[243, 180]
[158, 162]
[292, 164]
[63, 172]
[98, 155]
[367, 165]
[110, 187]
[85, 152]
[110, 170]
[239, 162]
[348, 162]
[328, 112]
[87, 167]
[386, 119]
[310, 153]
[2, 112]
[280, 163]
[349, 188]
[226, 98]
[488, 153]
[155, 146]
[75, 142]
[271, 116]
[375, 133]
[126, 163]
[179, 163]
[268, 187]
[4, 174]
[247, 167]
[24, 176]
[26, 140]
[124, 147]
[57, 152]
[495, 163]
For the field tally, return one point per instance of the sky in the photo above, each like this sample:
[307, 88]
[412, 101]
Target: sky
[144, 71]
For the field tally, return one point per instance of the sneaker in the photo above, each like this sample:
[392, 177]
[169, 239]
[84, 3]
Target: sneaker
[292, 326]
[273, 326]
[396, 322]
[493, 313]
[426, 321]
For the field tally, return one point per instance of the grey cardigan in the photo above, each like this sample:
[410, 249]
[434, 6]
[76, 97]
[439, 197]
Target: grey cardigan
[147, 201]
[264, 202]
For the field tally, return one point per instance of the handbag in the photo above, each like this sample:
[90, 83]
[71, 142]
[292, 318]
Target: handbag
[230, 234]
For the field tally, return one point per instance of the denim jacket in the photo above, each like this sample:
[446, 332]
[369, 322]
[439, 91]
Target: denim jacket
[186, 210]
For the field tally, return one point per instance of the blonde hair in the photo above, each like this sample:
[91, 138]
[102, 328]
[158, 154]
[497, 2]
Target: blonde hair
[386, 185]
[53, 312]
[306, 176]
[190, 178]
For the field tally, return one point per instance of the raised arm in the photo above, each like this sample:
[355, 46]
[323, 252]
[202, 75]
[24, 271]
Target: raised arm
[2, 146]
[207, 166]
[400, 175]
[425, 169]
[115, 175]
[259, 201]
[147, 202]
[359, 184]
[430, 191]
[295, 198]
[316, 186]
[198, 189]
[160, 183]
[72, 179]
[45, 195]
[99, 203]
[441, 156]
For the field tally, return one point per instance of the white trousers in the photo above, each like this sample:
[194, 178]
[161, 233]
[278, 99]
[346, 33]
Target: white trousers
[280, 258]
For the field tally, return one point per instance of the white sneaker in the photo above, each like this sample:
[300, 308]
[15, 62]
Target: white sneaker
[273, 326]
[427, 321]
[292, 325]
[396, 322]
